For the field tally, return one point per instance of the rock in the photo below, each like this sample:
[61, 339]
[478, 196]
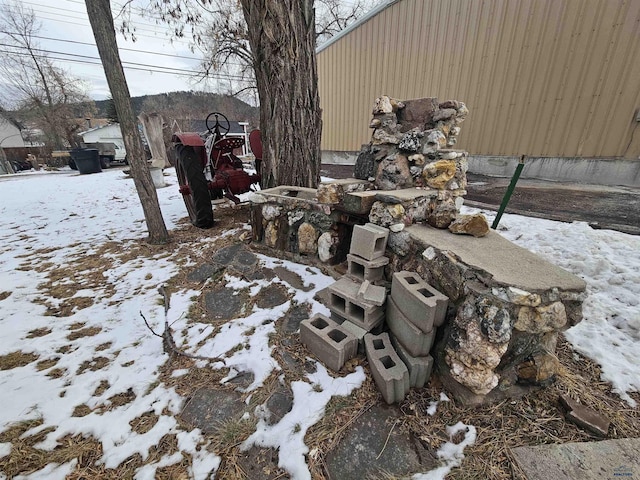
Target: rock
[279, 404]
[320, 220]
[223, 303]
[444, 212]
[410, 142]
[307, 239]
[294, 316]
[375, 123]
[295, 216]
[327, 245]
[397, 227]
[382, 105]
[436, 140]
[329, 193]
[372, 445]
[386, 215]
[539, 369]
[210, 408]
[518, 296]
[481, 338]
[382, 136]
[437, 174]
[444, 114]
[399, 243]
[271, 234]
[585, 417]
[272, 295]
[365, 163]
[475, 225]
[393, 173]
[270, 212]
[417, 159]
[549, 318]
[454, 131]
[450, 104]
[417, 113]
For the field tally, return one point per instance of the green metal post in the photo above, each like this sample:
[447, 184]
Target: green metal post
[509, 192]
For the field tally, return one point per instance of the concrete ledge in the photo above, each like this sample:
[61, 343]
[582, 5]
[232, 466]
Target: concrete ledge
[418, 301]
[328, 341]
[388, 371]
[414, 340]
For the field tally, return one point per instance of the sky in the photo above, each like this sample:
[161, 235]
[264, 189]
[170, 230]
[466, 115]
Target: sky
[154, 63]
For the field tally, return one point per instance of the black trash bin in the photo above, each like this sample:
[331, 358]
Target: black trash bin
[87, 160]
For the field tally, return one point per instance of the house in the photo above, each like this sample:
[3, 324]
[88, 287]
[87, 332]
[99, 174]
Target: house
[554, 80]
[11, 143]
[10, 136]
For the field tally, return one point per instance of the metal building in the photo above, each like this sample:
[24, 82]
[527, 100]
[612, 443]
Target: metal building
[546, 78]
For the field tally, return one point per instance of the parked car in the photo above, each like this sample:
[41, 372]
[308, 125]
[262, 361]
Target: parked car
[109, 153]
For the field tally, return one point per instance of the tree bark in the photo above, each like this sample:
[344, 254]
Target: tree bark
[101, 19]
[283, 43]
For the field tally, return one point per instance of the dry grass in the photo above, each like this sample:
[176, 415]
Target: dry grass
[44, 364]
[16, 359]
[84, 332]
[4, 295]
[144, 422]
[39, 332]
[94, 364]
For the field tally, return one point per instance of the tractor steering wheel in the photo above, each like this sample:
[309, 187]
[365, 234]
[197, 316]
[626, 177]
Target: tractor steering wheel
[222, 129]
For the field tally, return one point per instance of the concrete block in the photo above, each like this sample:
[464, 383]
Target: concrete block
[328, 341]
[419, 367]
[343, 300]
[418, 301]
[414, 340]
[370, 293]
[357, 332]
[360, 269]
[369, 241]
[388, 371]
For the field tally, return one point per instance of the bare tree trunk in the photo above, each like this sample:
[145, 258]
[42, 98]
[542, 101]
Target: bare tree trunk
[283, 42]
[152, 127]
[101, 19]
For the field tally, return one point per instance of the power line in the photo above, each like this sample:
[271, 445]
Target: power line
[135, 66]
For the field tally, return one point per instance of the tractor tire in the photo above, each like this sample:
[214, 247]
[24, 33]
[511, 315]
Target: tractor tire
[189, 172]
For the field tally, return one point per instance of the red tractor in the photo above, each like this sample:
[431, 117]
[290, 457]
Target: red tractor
[207, 168]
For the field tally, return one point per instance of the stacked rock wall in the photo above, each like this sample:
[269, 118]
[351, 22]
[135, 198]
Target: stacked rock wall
[410, 147]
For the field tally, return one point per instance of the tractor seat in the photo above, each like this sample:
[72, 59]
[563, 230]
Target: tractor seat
[228, 144]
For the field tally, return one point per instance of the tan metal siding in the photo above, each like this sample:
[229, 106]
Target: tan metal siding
[540, 77]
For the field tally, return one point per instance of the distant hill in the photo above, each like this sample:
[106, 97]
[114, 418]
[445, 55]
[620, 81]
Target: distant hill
[189, 105]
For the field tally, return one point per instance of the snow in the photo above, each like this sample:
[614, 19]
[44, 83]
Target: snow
[48, 221]
[451, 454]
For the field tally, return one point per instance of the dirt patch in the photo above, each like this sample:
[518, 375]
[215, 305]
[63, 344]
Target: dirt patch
[44, 364]
[94, 364]
[81, 411]
[85, 332]
[4, 295]
[16, 359]
[144, 422]
[39, 332]
[103, 346]
[56, 372]
[100, 389]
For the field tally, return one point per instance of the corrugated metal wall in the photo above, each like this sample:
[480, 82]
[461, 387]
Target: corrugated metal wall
[556, 78]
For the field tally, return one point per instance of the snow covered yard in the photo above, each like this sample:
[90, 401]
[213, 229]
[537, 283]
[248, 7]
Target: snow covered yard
[88, 391]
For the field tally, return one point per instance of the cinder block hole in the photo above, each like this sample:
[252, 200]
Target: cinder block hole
[378, 344]
[425, 293]
[356, 312]
[356, 270]
[387, 362]
[319, 323]
[338, 302]
[337, 336]
[379, 245]
[411, 280]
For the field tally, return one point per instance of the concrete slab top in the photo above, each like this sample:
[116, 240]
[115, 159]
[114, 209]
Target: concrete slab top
[505, 261]
[586, 461]
[346, 181]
